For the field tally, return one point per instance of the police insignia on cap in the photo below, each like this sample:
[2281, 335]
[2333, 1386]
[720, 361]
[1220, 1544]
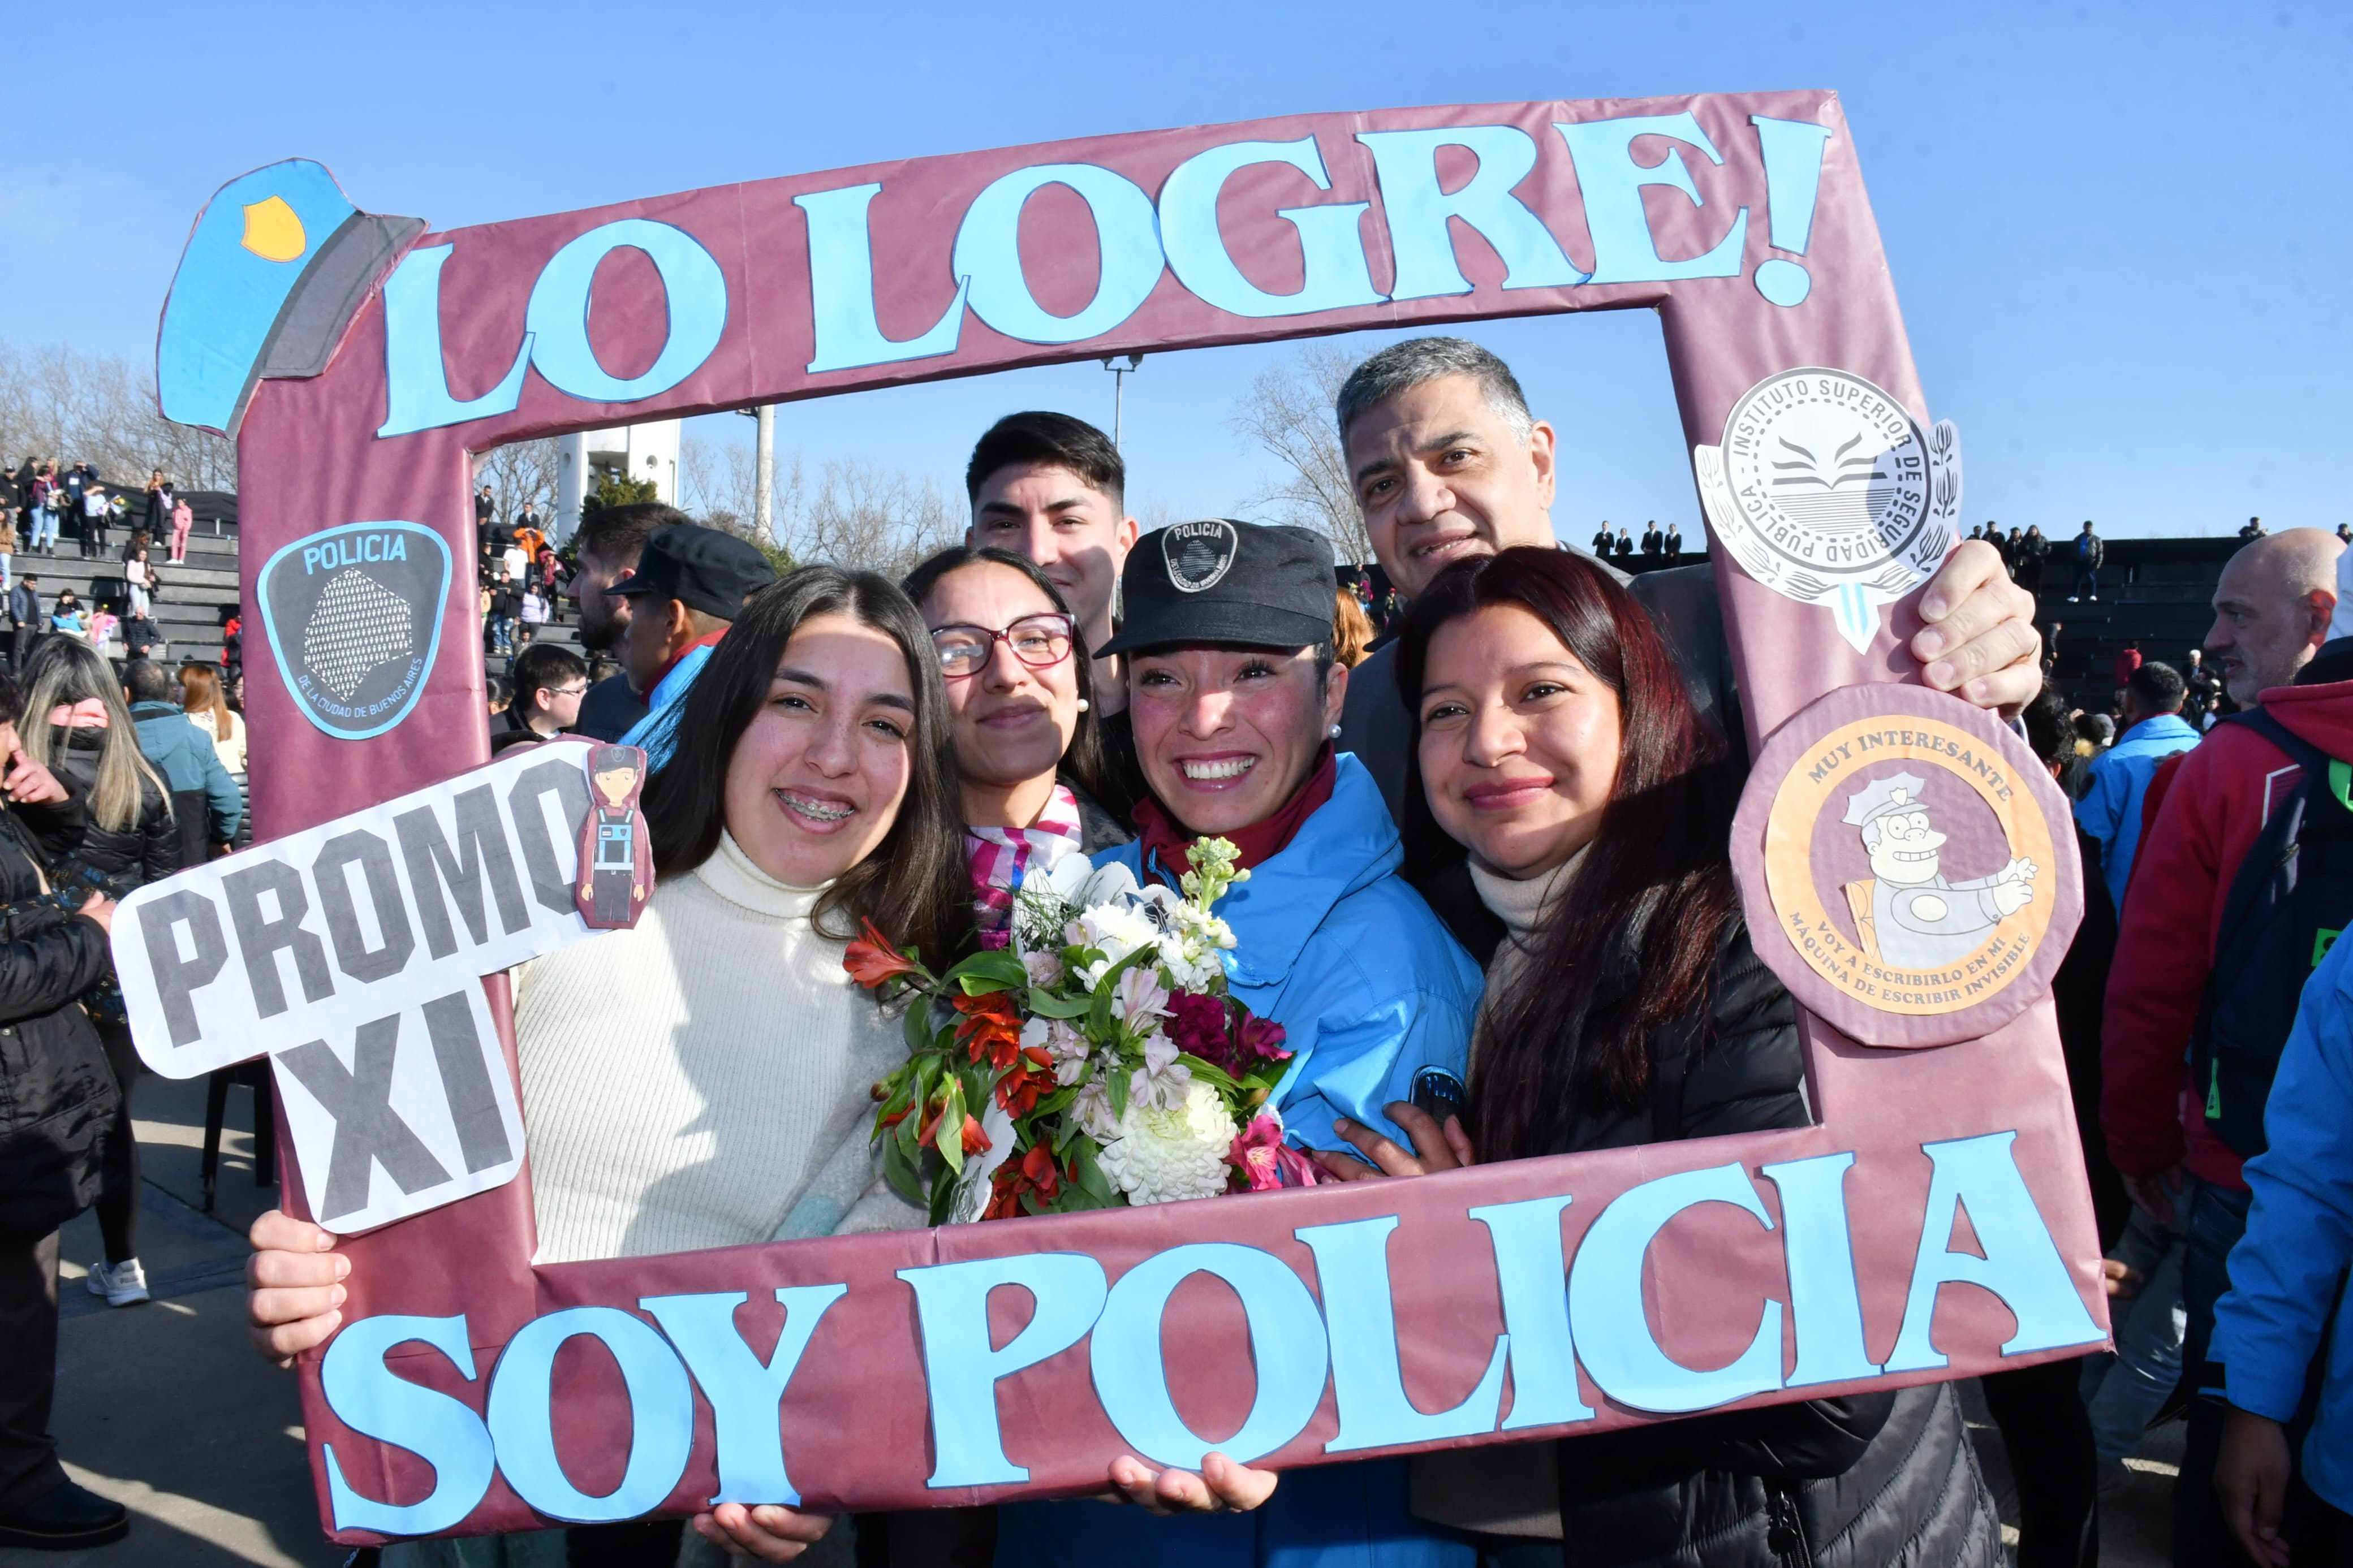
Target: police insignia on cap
[353, 615]
[1828, 491]
[1198, 553]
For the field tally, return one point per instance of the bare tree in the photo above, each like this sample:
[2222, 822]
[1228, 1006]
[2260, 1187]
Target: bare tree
[60, 404]
[862, 515]
[1287, 411]
[520, 474]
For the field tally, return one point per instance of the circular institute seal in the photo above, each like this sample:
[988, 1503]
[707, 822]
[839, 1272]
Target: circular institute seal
[1906, 866]
[1827, 491]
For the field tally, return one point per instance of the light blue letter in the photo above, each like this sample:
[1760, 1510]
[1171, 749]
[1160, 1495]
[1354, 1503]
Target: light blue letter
[962, 1371]
[841, 289]
[1604, 1299]
[694, 288]
[1623, 250]
[1286, 1346]
[1352, 1272]
[744, 1392]
[1416, 209]
[661, 1415]
[369, 1399]
[2021, 1263]
[1533, 1279]
[1332, 249]
[416, 382]
[1824, 1301]
[989, 253]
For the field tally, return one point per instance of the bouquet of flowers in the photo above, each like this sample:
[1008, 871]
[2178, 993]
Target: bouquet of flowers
[1097, 1060]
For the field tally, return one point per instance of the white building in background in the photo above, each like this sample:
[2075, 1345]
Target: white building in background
[640, 451]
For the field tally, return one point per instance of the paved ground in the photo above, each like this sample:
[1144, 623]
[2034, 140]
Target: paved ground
[163, 1407]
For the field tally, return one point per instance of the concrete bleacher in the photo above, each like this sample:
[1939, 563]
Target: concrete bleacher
[195, 600]
[2157, 592]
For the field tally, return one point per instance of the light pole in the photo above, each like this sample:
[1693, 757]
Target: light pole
[764, 468]
[1120, 372]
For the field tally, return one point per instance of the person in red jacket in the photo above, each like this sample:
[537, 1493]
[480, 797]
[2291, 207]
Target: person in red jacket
[2127, 662]
[2272, 608]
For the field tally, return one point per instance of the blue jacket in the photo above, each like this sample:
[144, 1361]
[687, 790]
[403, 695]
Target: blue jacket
[2110, 809]
[189, 766]
[2299, 1240]
[656, 733]
[1370, 988]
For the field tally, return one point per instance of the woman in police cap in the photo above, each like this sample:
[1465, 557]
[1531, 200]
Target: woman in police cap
[1235, 698]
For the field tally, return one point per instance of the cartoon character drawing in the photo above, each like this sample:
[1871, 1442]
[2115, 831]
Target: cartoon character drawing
[1908, 913]
[615, 858]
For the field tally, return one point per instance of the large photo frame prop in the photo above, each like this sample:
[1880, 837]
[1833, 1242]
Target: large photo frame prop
[1935, 1223]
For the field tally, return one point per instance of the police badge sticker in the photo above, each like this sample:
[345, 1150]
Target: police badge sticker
[1827, 491]
[1906, 866]
[353, 615]
[1199, 555]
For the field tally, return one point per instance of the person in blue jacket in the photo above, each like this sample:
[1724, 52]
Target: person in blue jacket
[205, 802]
[1235, 698]
[2287, 1299]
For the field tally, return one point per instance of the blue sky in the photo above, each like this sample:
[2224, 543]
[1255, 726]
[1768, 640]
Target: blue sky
[2109, 226]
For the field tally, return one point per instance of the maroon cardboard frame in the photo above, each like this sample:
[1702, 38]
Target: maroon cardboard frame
[856, 1416]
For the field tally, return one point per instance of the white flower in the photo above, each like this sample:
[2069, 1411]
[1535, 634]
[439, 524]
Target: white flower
[1061, 1041]
[1161, 1155]
[1141, 996]
[1117, 930]
[1162, 1082]
[1092, 1108]
[1043, 968]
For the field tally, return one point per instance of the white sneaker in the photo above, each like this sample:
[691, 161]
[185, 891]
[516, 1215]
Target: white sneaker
[120, 1283]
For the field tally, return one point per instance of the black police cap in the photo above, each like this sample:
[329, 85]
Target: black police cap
[701, 568]
[1224, 584]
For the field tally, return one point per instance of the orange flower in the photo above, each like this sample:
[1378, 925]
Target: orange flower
[1038, 1169]
[1020, 1091]
[975, 1141]
[872, 960]
[991, 1030]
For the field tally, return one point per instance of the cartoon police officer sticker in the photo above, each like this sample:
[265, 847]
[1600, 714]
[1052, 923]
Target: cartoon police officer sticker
[1906, 866]
[1827, 491]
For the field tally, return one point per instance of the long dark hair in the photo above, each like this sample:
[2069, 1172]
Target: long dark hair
[1082, 764]
[914, 885]
[1633, 945]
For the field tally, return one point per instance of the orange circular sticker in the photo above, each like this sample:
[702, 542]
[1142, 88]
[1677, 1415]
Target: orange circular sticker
[1911, 865]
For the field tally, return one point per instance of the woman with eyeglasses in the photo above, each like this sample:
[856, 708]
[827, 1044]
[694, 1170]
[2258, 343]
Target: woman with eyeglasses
[1029, 748]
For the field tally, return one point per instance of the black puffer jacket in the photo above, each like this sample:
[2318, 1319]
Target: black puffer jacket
[72, 844]
[1856, 1481]
[58, 1097]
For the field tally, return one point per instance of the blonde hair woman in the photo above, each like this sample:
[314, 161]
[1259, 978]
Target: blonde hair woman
[206, 706]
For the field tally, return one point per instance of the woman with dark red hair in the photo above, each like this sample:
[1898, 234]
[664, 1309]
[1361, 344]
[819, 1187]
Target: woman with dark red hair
[1568, 808]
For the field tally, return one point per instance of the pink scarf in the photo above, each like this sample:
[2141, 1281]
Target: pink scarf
[1002, 857]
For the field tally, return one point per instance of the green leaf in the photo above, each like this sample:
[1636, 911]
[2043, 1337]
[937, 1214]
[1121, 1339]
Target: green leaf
[983, 984]
[900, 1171]
[943, 1196]
[992, 971]
[1046, 1004]
[917, 1026]
[1215, 1076]
[949, 1139]
[1091, 1179]
[1116, 1084]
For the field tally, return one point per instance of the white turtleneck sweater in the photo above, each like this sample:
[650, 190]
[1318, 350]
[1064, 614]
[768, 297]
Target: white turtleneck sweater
[1521, 904]
[701, 1080]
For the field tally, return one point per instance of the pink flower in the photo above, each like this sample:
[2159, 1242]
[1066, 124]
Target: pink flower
[1262, 1038]
[1266, 1161]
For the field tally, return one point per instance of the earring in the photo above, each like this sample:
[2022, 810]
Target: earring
[1335, 731]
[1085, 705]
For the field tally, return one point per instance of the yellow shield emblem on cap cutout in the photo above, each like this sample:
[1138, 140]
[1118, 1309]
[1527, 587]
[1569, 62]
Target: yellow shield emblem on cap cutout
[272, 232]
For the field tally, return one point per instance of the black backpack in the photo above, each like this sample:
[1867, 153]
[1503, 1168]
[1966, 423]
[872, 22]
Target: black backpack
[2292, 896]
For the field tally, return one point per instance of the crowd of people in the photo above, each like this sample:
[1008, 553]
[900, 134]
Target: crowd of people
[832, 748]
[1488, 836]
[38, 498]
[519, 577]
